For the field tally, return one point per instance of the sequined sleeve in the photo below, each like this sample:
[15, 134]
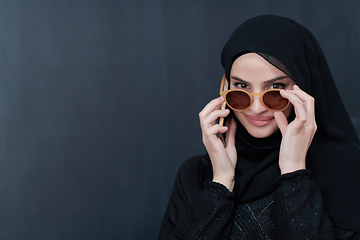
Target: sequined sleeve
[299, 210]
[212, 214]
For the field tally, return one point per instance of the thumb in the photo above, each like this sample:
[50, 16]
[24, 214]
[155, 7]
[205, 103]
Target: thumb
[281, 121]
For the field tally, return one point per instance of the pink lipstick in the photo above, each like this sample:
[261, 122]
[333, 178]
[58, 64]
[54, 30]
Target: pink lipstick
[259, 121]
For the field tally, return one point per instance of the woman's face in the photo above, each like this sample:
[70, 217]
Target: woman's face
[251, 72]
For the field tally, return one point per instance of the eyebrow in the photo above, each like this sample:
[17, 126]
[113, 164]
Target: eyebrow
[265, 82]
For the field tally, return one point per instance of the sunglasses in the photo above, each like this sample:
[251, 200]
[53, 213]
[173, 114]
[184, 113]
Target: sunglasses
[240, 100]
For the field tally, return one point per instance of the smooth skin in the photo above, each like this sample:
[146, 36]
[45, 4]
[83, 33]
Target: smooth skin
[296, 135]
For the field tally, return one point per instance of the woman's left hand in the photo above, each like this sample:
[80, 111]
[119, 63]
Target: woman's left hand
[297, 135]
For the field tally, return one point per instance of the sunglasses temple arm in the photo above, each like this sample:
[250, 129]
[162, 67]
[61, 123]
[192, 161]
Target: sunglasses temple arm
[221, 120]
[221, 123]
[223, 87]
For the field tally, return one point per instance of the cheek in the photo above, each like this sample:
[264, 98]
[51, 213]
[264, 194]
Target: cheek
[239, 115]
[242, 119]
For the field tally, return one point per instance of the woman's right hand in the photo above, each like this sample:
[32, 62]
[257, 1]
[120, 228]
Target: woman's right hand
[223, 159]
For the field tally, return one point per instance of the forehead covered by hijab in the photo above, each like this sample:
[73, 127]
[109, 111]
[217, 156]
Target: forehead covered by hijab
[279, 40]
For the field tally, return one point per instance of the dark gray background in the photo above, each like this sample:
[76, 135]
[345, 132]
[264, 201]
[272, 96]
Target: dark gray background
[99, 103]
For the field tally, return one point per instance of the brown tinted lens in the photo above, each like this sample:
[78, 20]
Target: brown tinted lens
[274, 101]
[238, 100]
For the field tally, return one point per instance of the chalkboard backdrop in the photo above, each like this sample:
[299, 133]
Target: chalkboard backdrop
[99, 103]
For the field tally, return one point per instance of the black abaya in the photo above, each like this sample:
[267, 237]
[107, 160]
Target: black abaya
[334, 155]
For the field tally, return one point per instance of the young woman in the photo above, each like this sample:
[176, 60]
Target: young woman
[289, 167]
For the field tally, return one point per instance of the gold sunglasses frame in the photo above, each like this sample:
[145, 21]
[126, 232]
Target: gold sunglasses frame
[224, 90]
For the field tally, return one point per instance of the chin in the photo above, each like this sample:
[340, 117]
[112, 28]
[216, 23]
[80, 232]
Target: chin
[260, 133]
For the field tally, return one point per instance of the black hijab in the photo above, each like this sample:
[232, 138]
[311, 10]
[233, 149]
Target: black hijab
[334, 155]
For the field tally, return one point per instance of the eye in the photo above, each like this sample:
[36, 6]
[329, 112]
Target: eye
[277, 86]
[241, 85]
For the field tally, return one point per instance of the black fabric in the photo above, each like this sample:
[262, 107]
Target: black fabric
[255, 220]
[188, 184]
[290, 212]
[187, 191]
[212, 214]
[299, 207]
[334, 155]
[256, 162]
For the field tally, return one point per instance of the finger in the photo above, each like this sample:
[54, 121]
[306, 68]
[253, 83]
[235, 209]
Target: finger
[301, 113]
[211, 106]
[301, 116]
[308, 100]
[300, 93]
[210, 119]
[281, 121]
[299, 105]
[300, 110]
[290, 95]
[305, 97]
[212, 131]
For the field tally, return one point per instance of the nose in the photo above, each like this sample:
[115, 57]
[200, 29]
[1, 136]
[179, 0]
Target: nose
[257, 107]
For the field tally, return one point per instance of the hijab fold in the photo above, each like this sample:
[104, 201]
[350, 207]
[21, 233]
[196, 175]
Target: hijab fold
[334, 155]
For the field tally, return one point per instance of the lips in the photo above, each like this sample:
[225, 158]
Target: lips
[259, 121]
